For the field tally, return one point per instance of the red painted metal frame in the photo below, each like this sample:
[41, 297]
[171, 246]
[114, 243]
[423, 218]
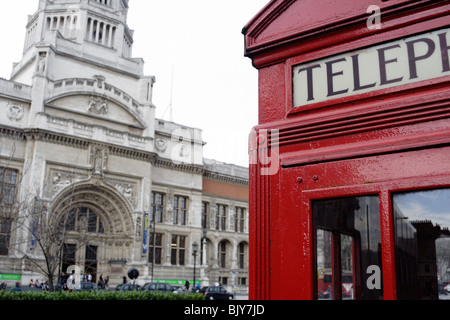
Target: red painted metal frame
[377, 143]
[292, 260]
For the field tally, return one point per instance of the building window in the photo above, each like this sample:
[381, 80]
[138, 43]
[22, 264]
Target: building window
[179, 210]
[66, 25]
[239, 220]
[223, 280]
[348, 248]
[157, 207]
[105, 2]
[84, 219]
[5, 231]
[91, 253]
[69, 258]
[157, 248]
[7, 186]
[100, 32]
[205, 207]
[241, 253]
[221, 217]
[90, 260]
[222, 254]
[8, 180]
[178, 248]
[422, 244]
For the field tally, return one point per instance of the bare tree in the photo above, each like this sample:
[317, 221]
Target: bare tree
[31, 228]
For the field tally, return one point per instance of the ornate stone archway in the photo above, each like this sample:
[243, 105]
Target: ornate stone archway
[116, 241]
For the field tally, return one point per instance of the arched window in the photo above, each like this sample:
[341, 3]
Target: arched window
[242, 255]
[84, 219]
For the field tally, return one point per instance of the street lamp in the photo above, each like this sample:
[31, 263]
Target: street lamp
[194, 253]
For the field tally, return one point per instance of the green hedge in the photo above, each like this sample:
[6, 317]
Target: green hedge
[98, 295]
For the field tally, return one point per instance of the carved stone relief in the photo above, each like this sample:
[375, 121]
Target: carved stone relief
[170, 195]
[161, 145]
[232, 214]
[15, 111]
[59, 179]
[212, 214]
[42, 61]
[98, 105]
[138, 231]
[98, 159]
[128, 189]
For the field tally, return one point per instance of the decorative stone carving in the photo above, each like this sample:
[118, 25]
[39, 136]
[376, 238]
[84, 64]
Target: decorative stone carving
[161, 145]
[138, 231]
[184, 150]
[127, 190]
[170, 197]
[98, 105]
[61, 179]
[42, 62]
[212, 214]
[232, 214]
[100, 80]
[15, 111]
[98, 159]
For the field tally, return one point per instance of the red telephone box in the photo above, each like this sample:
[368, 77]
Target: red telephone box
[350, 160]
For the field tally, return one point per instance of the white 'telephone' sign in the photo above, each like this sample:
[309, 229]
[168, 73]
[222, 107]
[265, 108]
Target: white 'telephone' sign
[413, 59]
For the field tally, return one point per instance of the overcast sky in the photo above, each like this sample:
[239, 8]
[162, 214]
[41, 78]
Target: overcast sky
[200, 43]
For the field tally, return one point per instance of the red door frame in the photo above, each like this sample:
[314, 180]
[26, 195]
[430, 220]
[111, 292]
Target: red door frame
[297, 259]
[384, 191]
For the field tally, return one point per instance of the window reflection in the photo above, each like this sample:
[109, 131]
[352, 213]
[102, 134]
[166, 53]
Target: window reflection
[324, 268]
[348, 245]
[347, 259]
[422, 242]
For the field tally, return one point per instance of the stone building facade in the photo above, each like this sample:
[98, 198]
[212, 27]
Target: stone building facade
[78, 133]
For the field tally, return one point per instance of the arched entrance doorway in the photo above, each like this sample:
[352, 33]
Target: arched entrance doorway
[98, 227]
[86, 227]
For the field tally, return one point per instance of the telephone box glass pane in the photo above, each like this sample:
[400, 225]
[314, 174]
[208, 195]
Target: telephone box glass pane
[353, 226]
[422, 244]
[324, 269]
[347, 260]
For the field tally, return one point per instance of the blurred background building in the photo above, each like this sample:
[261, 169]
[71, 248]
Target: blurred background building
[79, 138]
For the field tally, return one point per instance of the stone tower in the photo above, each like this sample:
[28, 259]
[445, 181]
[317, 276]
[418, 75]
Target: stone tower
[86, 39]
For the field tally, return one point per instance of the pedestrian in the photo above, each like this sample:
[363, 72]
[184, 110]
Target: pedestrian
[89, 278]
[107, 282]
[65, 287]
[101, 282]
[3, 286]
[186, 285]
[63, 279]
[31, 284]
[17, 288]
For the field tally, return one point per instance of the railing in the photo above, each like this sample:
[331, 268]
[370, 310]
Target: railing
[97, 85]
